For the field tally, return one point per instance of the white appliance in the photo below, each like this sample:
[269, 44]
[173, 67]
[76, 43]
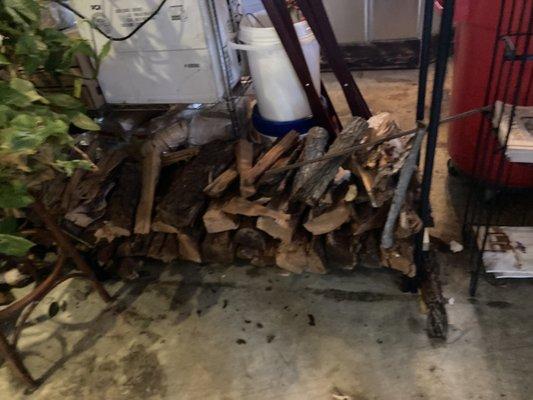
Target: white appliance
[171, 59]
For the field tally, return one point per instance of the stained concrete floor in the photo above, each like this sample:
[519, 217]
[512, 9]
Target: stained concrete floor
[189, 333]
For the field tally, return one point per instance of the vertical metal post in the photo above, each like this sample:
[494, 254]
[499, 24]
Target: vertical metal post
[225, 67]
[425, 47]
[445, 39]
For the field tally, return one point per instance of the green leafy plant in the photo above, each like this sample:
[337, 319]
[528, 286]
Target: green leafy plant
[35, 143]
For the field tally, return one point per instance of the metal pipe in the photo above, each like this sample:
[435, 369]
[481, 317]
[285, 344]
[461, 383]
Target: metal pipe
[443, 50]
[425, 47]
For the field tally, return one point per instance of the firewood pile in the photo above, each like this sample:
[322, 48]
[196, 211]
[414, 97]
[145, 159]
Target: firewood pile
[230, 200]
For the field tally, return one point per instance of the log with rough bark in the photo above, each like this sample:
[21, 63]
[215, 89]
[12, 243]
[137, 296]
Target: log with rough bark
[185, 199]
[165, 139]
[314, 146]
[120, 213]
[318, 181]
[270, 157]
[244, 154]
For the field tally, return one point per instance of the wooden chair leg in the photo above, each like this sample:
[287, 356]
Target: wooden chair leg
[65, 244]
[13, 359]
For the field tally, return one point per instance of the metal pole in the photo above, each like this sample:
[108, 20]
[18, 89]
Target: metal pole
[225, 67]
[425, 47]
[443, 50]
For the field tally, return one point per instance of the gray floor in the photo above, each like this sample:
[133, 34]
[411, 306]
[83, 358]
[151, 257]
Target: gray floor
[191, 333]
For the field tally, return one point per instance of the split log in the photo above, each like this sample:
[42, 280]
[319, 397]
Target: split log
[250, 237]
[218, 248]
[185, 199]
[164, 247]
[278, 228]
[400, 257]
[221, 183]
[178, 156]
[314, 147]
[90, 211]
[318, 181]
[216, 220]
[244, 154]
[92, 183]
[274, 184]
[341, 248]
[120, 213]
[189, 248]
[241, 206]
[292, 256]
[316, 256]
[156, 244]
[271, 156]
[151, 166]
[329, 220]
[127, 269]
[165, 139]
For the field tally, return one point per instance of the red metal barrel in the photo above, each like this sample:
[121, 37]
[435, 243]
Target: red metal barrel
[475, 35]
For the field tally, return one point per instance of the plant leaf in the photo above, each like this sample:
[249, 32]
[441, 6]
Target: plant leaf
[16, 246]
[8, 225]
[82, 121]
[14, 195]
[26, 87]
[4, 60]
[64, 100]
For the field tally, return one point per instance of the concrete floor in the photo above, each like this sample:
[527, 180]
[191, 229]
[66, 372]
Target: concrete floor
[189, 333]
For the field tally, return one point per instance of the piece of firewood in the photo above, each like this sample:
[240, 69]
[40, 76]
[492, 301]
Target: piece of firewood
[400, 257]
[168, 250]
[341, 248]
[218, 248]
[120, 212]
[216, 220]
[314, 146]
[276, 228]
[250, 237]
[151, 166]
[329, 220]
[274, 184]
[90, 187]
[156, 244]
[185, 199]
[292, 256]
[165, 139]
[241, 206]
[271, 156]
[178, 155]
[244, 154]
[316, 256]
[220, 184]
[189, 248]
[318, 181]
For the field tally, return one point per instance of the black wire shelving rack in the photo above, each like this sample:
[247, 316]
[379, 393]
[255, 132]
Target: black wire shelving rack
[493, 204]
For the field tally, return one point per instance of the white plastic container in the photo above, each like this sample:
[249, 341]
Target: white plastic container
[280, 96]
